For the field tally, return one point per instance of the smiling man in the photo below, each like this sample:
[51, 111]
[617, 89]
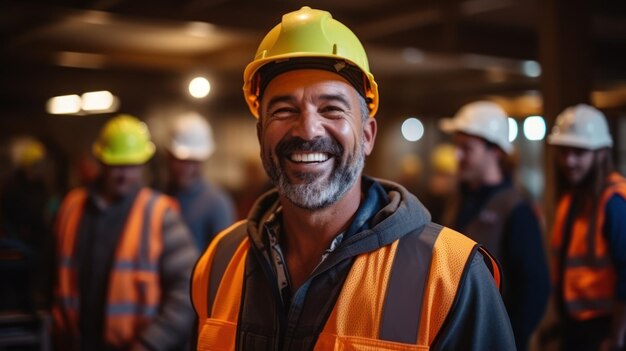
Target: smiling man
[332, 259]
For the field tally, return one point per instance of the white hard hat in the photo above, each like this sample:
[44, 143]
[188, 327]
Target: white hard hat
[191, 138]
[581, 126]
[483, 119]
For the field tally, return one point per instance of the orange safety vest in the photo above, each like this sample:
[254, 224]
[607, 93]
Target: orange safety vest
[588, 275]
[355, 321]
[134, 293]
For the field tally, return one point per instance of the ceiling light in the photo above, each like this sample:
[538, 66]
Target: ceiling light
[534, 128]
[199, 87]
[199, 29]
[99, 101]
[413, 55]
[412, 129]
[63, 105]
[531, 68]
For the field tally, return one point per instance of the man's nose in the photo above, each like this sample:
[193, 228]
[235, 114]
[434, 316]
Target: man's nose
[309, 126]
[571, 159]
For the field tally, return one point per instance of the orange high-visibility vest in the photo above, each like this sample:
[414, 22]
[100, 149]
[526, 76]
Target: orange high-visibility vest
[355, 321]
[133, 291]
[588, 275]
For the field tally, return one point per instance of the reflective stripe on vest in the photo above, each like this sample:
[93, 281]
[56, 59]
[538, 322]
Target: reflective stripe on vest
[65, 307]
[588, 274]
[134, 293]
[381, 305]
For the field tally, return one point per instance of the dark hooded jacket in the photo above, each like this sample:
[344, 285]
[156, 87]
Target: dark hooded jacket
[387, 213]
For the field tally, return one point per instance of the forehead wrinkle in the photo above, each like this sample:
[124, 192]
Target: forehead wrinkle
[336, 97]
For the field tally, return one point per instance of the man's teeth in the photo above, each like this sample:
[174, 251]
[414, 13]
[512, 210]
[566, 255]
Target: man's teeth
[309, 157]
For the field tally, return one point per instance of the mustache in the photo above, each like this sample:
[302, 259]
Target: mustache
[327, 145]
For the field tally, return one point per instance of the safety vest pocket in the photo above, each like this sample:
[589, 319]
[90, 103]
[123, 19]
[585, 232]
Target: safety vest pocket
[327, 341]
[217, 335]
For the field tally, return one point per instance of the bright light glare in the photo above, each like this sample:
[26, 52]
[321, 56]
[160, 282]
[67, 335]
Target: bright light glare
[65, 104]
[199, 87]
[512, 129]
[531, 68]
[412, 129]
[534, 128]
[413, 55]
[98, 101]
[199, 29]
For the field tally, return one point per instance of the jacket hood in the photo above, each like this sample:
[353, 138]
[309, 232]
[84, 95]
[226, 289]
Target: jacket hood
[403, 214]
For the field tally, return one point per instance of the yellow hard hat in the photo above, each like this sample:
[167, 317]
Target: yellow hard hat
[124, 140]
[309, 33]
[443, 159]
[27, 151]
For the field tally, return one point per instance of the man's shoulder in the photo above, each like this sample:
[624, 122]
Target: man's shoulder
[439, 241]
[231, 236]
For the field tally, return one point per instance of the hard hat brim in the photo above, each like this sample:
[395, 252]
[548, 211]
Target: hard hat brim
[449, 126]
[185, 153]
[131, 159]
[253, 67]
[577, 142]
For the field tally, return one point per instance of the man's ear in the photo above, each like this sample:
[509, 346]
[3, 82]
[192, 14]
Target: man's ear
[369, 135]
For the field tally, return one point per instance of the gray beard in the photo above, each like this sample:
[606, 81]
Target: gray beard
[317, 193]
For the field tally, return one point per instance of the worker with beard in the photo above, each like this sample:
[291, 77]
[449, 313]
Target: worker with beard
[332, 259]
[589, 234]
[124, 256]
[492, 210]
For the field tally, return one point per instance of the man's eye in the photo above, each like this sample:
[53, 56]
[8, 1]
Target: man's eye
[283, 112]
[332, 109]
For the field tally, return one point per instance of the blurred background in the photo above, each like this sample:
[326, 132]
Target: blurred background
[429, 57]
[66, 67]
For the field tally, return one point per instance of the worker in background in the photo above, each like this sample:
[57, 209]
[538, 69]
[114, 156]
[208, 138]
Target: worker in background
[124, 255]
[442, 182]
[205, 208]
[332, 259]
[25, 193]
[490, 210]
[589, 233]
[25, 201]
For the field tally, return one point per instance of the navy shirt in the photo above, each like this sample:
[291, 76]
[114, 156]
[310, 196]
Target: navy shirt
[526, 278]
[615, 232]
[206, 210]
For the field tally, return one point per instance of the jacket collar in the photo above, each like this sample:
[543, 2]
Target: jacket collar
[394, 213]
